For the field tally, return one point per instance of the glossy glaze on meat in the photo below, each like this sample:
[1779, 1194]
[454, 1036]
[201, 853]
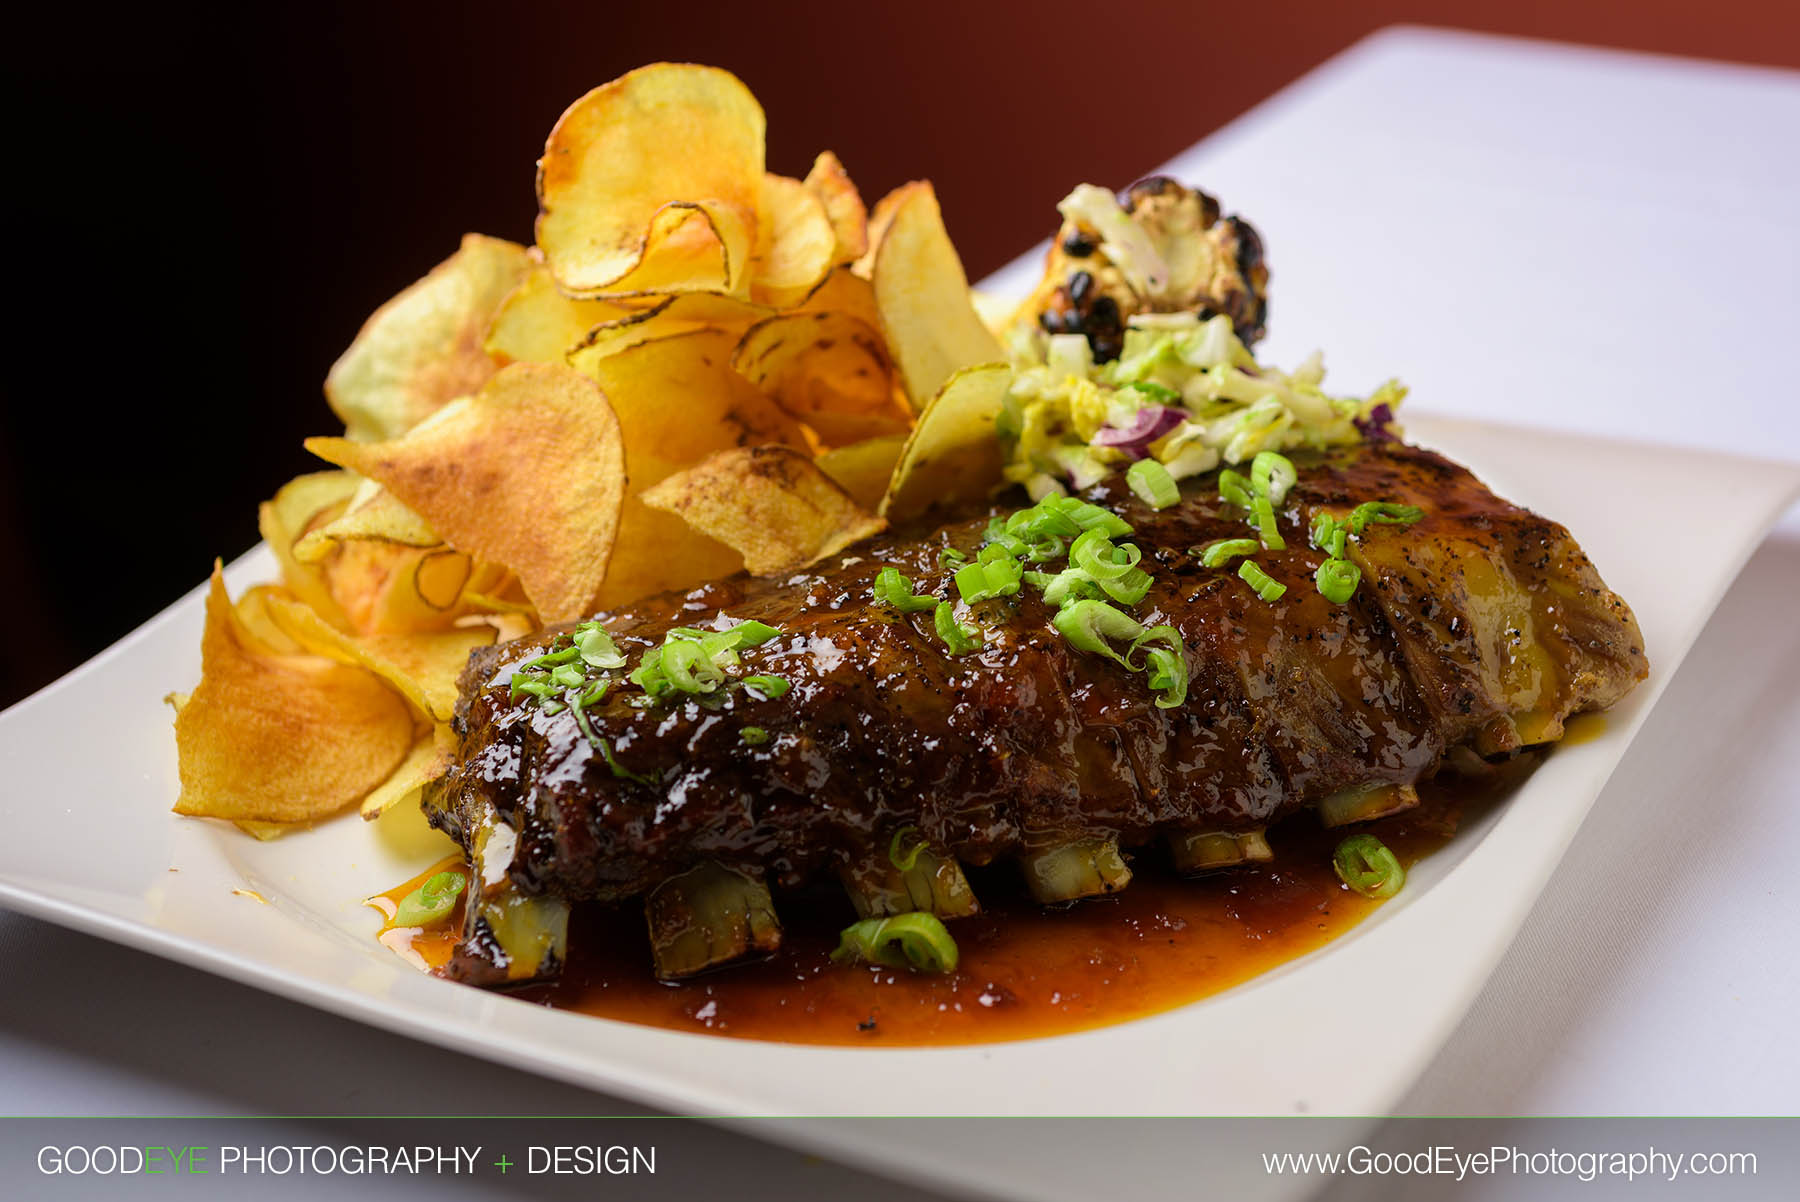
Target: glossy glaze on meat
[1482, 624]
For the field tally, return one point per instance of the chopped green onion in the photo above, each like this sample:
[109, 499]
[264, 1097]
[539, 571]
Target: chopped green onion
[905, 860]
[1266, 586]
[1168, 677]
[1058, 516]
[568, 676]
[1271, 475]
[431, 902]
[984, 580]
[1387, 512]
[949, 557]
[754, 735]
[1162, 394]
[893, 588]
[688, 668]
[1152, 483]
[1223, 550]
[1263, 518]
[596, 647]
[594, 693]
[1364, 863]
[958, 638]
[1166, 664]
[605, 749]
[1101, 558]
[1064, 585]
[769, 687]
[1337, 580]
[1319, 534]
[536, 687]
[750, 633]
[1113, 568]
[1234, 489]
[917, 940]
[1089, 624]
[549, 659]
[648, 675]
[1328, 535]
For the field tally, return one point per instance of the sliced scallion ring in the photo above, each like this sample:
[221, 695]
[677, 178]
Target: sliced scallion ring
[916, 941]
[431, 902]
[1364, 863]
[1152, 483]
[1265, 585]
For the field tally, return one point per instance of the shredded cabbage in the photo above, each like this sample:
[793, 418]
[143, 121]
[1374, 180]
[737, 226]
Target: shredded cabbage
[1236, 408]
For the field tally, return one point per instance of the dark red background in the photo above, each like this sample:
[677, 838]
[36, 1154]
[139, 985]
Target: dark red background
[203, 213]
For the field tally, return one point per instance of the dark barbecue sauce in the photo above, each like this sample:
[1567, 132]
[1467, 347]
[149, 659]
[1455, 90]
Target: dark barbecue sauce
[1026, 971]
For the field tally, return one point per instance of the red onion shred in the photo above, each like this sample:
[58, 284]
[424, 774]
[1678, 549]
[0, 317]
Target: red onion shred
[1151, 423]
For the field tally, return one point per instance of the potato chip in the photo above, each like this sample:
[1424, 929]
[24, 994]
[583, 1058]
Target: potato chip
[684, 313]
[299, 505]
[423, 666]
[429, 759]
[879, 221]
[923, 296]
[863, 469]
[538, 324]
[796, 244]
[652, 183]
[843, 291]
[528, 474]
[843, 205]
[952, 456]
[254, 611]
[829, 370]
[772, 505]
[678, 401]
[423, 348]
[267, 737]
[373, 513]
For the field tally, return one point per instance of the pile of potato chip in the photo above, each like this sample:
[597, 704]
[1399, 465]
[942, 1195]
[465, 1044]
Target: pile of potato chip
[701, 367]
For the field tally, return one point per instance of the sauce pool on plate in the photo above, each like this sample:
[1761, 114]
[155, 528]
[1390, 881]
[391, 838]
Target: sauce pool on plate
[1026, 971]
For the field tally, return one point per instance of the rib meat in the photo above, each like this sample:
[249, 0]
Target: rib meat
[1481, 625]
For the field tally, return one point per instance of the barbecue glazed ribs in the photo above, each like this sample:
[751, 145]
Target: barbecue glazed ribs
[1480, 626]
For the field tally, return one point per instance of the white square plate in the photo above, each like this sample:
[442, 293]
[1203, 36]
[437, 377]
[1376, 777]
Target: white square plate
[90, 775]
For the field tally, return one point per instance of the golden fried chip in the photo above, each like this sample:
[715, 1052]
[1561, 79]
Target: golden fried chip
[879, 220]
[843, 204]
[652, 183]
[796, 244]
[528, 474]
[952, 456]
[281, 738]
[923, 295]
[422, 666]
[373, 513]
[429, 759]
[678, 401]
[829, 370]
[538, 324]
[770, 504]
[423, 348]
[299, 505]
[843, 291]
[684, 313]
[255, 615]
[864, 469]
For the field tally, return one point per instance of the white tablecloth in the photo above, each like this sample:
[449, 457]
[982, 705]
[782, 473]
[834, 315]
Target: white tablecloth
[1551, 236]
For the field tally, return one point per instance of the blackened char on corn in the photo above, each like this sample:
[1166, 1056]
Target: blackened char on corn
[1481, 625]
